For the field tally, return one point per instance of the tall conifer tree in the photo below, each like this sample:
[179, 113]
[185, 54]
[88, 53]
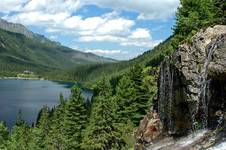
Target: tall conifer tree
[75, 119]
[101, 133]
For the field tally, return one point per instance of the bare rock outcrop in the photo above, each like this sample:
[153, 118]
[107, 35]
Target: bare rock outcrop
[192, 83]
[16, 28]
[149, 130]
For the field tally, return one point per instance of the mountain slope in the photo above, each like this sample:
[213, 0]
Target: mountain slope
[21, 49]
[96, 71]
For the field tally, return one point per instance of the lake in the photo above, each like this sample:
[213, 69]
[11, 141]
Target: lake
[30, 96]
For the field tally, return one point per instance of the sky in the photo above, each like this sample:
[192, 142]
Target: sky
[118, 29]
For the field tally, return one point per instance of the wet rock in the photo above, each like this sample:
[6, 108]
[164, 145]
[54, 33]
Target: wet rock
[192, 82]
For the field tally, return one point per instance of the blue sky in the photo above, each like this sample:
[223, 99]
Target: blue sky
[119, 29]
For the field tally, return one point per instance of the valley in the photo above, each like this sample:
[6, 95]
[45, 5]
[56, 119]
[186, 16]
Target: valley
[171, 97]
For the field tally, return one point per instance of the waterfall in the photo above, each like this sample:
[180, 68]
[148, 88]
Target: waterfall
[220, 146]
[171, 76]
[205, 82]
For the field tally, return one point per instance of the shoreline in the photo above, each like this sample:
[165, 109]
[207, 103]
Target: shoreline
[20, 78]
[80, 84]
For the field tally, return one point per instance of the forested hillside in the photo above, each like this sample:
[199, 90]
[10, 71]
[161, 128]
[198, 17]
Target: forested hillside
[94, 72]
[118, 104]
[19, 52]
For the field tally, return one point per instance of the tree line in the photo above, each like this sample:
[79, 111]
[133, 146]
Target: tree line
[106, 123]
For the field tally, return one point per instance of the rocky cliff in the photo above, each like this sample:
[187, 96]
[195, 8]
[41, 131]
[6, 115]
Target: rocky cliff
[191, 96]
[16, 28]
[192, 83]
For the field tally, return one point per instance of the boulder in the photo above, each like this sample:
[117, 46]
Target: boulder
[150, 128]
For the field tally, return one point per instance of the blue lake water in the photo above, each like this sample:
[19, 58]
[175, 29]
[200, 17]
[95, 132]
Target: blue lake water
[30, 96]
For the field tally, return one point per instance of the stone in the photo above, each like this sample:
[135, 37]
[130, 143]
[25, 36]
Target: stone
[16, 28]
[150, 128]
[192, 82]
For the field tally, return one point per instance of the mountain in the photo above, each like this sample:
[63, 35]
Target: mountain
[21, 49]
[113, 70]
[16, 28]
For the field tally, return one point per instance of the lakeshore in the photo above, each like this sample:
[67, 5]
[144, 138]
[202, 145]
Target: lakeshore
[21, 78]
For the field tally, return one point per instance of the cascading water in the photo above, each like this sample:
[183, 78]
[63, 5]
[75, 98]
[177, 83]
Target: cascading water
[220, 146]
[205, 97]
[170, 104]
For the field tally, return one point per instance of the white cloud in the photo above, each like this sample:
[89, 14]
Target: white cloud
[102, 25]
[7, 6]
[139, 37]
[52, 30]
[37, 18]
[35, 5]
[52, 6]
[56, 16]
[140, 33]
[100, 38]
[109, 27]
[104, 52]
[72, 22]
[147, 9]
[141, 43]
[91, 23]
[123, 41]
[53, 37]
[115, 26]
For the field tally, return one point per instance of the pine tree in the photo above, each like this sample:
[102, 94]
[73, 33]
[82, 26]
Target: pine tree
[103, 88]
[150, 82]
[101, 133]
[125, 100]
[37, 142]
[220, 6]
[4, 136]
[56, 138]
[41, 131]
[19, 120]
[75, 119]
[141, 97]
[196, 14]
[88, 107]
[21, 136]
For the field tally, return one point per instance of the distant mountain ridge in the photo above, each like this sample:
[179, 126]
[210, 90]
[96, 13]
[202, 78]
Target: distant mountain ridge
[22, 49]
[16, 28]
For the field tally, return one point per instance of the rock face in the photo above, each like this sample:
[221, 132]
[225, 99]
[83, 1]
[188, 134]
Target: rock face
[192, 83]
[16, 28]
[150, 128]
